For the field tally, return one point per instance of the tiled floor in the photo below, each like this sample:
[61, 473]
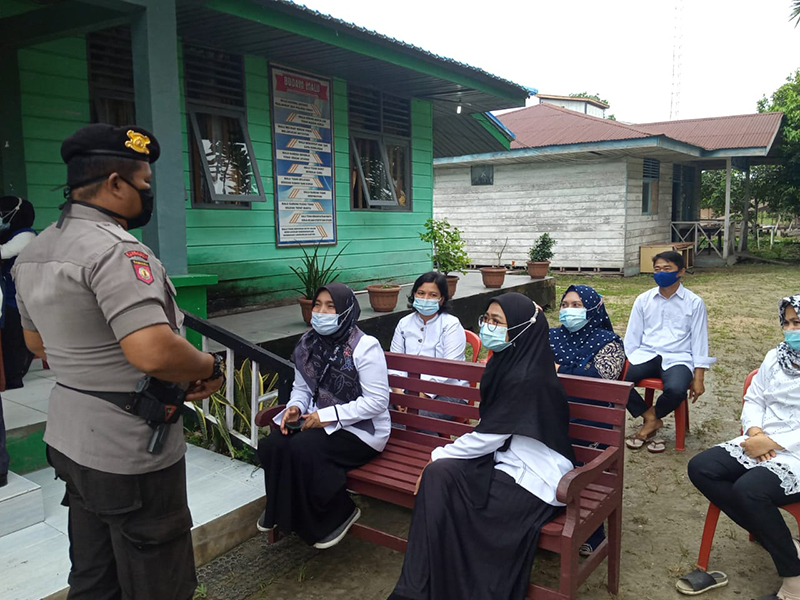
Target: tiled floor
[35, 561]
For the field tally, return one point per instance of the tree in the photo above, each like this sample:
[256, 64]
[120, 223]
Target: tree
[779, 185]
[776, 186]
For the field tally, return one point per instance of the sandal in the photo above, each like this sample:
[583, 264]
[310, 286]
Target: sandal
[699, 581]
[656, 446]
[634, 442]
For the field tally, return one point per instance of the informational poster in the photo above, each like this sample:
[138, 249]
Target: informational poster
[302, 141]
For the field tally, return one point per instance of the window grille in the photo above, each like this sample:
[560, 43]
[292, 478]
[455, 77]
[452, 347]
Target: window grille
[482, 174]
[213, 77]
[652, 169]
[110, 70]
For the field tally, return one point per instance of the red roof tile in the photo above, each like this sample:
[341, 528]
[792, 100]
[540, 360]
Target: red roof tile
[741, 131]
[549, 125]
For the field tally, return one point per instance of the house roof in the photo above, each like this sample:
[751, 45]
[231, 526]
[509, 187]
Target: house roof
[596, 103]
[549, 125]
[715, 133]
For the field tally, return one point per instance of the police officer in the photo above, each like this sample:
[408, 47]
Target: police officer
[99, 304]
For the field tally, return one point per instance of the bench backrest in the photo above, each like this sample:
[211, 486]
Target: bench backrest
[606, 412]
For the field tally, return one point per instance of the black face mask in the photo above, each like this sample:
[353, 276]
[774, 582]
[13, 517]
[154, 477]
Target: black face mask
[148, 201]
[143, 218]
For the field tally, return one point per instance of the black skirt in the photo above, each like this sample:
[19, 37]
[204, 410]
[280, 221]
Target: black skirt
[456, 550]
[305, 474]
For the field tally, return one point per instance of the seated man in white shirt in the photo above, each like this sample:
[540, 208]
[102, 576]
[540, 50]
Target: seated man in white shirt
[667, 339]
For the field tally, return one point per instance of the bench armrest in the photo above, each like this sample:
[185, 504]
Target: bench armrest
[265, 415]
[571, 484]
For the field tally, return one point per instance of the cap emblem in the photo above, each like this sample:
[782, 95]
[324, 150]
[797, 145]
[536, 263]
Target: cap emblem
[137, 142]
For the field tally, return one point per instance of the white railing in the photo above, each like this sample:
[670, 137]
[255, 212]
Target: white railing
[702, 231]
[237, 348]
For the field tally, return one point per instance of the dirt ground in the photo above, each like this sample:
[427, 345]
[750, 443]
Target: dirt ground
[663, 513]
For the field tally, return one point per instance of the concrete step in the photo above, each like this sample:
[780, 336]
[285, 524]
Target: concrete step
[21, 504]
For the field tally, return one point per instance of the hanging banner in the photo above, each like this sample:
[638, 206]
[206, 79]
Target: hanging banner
[302, 142]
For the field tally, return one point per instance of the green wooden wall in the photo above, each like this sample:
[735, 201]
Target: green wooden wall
[236, 245]
[55, 103]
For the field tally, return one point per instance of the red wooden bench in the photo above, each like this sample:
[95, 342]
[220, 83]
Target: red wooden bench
[592, 493]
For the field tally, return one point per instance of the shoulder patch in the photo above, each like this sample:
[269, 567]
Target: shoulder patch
[137, 254]
[142, 271]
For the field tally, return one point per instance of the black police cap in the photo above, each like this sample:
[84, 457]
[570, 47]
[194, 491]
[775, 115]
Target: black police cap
[101, 139]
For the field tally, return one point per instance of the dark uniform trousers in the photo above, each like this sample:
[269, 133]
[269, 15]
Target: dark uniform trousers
[130, 535]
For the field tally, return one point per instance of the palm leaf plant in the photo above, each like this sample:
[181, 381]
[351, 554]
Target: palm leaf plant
[316, 271]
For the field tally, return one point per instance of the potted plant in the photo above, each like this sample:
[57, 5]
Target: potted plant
[448, 250]
[313, 275]
[494, 276]
[540, 255]
[383, 296]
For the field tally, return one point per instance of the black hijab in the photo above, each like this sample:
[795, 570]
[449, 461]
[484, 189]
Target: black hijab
[325, 362]
[520, 391]
[22, 219]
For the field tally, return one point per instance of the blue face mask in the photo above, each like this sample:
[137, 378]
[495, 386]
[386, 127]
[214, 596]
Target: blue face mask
[666, 278]
[573, 318]
[494, 340]
[792, 339]
[325, 323]
[426, 306]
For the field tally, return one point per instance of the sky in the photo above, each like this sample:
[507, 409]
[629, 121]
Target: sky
[733, 52]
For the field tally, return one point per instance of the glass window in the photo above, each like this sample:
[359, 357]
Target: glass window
[379, 173]
[482, 174]
[222, 165]
[649, 197]
[380, 150]
[110, 70]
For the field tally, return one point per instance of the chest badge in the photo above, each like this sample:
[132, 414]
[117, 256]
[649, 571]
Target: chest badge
[142, 271]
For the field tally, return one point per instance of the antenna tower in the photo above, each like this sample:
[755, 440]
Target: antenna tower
[677, 61]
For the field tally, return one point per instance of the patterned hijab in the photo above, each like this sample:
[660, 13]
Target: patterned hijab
[325, 362]
[578, 347]
[788, 359]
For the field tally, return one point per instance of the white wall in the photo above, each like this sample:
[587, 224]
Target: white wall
[646, 229]
[578, 105]
[581, 205]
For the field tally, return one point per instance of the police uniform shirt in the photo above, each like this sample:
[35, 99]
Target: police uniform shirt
[85, 287]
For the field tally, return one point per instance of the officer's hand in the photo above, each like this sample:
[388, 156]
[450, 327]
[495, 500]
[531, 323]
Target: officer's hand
[290, 415]
[200, 390]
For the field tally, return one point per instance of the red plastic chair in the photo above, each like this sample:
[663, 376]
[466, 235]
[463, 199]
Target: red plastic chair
[475, 341]
[712, 516]
[650, 386]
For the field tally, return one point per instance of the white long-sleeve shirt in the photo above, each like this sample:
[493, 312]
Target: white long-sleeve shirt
[674, 328]
[441, 337]
[772, 402]
[14, 246]
[528, 462]
[373, 403]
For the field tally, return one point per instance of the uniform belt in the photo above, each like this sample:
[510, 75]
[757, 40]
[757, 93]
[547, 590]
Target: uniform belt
[124, 400]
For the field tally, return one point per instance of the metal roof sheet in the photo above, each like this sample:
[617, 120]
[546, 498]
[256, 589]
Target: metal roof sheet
[716, 133]
[549, 125]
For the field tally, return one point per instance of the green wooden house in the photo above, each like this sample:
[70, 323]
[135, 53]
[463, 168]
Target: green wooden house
[280, 127]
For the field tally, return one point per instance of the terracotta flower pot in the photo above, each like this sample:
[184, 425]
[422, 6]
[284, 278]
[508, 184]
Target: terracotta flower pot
[452, 282]
[538, 270]
[493, 277]
[306, 305]
[383, 299]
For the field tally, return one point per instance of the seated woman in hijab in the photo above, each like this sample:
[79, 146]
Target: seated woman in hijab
[750, 476]
[484, 498]
[337, 419]
[431, 330]
[586, 345]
